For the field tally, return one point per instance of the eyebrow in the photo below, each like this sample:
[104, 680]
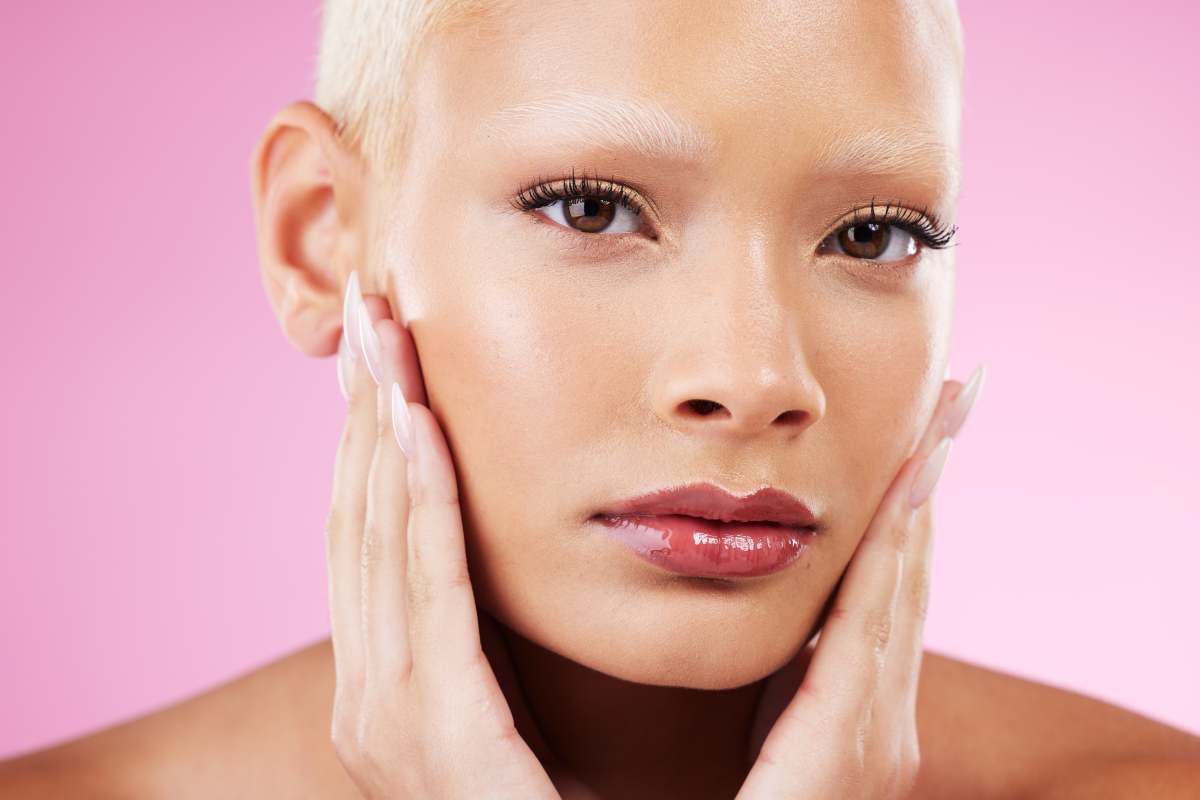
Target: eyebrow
[637, 124]
[642, 125]
[888, 151]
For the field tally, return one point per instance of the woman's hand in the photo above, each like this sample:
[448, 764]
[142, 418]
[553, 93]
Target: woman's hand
[849, 730]
[418, 711]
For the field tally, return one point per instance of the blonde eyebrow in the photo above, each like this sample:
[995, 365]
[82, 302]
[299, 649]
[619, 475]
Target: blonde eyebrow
[888, 151]
[637, 124]
[644, 126]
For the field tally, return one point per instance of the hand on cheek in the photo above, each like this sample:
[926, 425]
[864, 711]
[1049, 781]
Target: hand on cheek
[851, 721]
[424, 700]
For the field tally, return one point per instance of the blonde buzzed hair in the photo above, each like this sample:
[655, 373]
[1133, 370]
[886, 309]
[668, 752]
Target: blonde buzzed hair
[367, 51]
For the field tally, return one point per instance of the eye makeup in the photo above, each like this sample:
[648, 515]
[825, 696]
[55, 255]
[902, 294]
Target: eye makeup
[922, 224]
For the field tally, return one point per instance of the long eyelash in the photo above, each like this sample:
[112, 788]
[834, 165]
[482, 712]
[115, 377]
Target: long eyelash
[923, 224]
[540, 193]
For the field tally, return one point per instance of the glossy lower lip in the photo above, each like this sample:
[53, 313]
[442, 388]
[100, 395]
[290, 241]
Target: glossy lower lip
[707, 548]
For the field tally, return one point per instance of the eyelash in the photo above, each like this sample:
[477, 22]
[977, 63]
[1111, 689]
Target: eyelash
[922, 224]
[925, 226]
[540, 194]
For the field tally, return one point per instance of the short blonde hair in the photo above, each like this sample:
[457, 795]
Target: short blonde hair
[367, 51]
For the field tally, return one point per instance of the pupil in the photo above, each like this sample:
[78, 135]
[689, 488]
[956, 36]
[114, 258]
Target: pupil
[868, 232]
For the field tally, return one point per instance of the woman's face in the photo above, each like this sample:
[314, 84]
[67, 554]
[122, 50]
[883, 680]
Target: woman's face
[562, 347]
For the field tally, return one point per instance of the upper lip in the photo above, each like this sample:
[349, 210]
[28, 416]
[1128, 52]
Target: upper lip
[709, 501]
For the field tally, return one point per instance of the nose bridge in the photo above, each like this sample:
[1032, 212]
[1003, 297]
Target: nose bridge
[737, 362]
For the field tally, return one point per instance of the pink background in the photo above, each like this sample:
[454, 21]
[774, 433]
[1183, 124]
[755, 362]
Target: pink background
[166, 457]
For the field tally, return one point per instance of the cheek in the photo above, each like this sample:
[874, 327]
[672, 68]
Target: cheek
[517, 376]
[882, 372]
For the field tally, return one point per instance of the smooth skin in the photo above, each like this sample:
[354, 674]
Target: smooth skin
[567, 370]
[418, 709]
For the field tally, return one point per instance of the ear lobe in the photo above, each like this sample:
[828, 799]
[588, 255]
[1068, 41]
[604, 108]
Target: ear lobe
[307, 187]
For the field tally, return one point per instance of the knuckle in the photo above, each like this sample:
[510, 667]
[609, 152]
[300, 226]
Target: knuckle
[919, 592]
[910, 758]
[877, 627]
[425, 589]
[901, 776]
[420, 594]
[395, 667]
[352, 430]
[422, 495]
[345, 743]
[383, 419]
[369, 554]
[371, 742]
[458, 577]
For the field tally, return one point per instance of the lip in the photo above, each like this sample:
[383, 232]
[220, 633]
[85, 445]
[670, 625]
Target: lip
[702, 530]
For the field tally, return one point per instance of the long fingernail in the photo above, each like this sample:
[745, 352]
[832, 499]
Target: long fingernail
[345, 366]
[370, 344]
[351, 300]
[964, 402]
[401, 421]
[929, 473]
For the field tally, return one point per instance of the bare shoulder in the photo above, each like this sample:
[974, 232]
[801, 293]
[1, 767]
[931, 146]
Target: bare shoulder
[985, 733]
[264, 733]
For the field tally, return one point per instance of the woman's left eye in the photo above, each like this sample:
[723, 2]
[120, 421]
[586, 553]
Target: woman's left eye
[874, 241]
[593, 214]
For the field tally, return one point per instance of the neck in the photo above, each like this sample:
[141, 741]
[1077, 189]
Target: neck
[628, 739]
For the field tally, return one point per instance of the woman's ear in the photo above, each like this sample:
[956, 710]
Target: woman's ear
[308, 203]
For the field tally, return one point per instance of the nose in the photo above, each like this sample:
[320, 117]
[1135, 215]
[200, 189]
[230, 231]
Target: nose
[736, 367]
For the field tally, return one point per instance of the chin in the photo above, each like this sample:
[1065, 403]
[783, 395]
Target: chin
[696, 653]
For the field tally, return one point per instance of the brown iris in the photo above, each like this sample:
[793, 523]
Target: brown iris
[865, 240]
[589, 214]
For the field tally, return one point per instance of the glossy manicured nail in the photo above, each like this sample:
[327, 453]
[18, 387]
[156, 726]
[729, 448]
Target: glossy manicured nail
[369, 343]
[929, 473]
[401, 421]
[345, 366]
[964, 402]
[350, 303]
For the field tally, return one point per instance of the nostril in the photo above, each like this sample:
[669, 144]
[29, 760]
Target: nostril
[703, 407]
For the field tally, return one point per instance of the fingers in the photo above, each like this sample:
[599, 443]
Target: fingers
[384, 554]
[905, 662]
[418, 607]
[442, 614]
[903, 671]
[883, 593]
[413, 684]
[343, 525]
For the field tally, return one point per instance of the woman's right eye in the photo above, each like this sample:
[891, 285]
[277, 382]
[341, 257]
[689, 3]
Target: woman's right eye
[593, 214]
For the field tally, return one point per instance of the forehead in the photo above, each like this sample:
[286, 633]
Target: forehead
[835, 83]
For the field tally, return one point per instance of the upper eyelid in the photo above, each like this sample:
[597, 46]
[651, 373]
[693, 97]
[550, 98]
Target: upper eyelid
[560, 188]
[894, 212]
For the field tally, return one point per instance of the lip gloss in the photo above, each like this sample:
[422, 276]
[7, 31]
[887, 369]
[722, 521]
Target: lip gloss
[708, 548]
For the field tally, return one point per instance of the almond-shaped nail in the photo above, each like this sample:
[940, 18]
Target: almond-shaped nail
[401, 421]
[369, 342]
[931, 470]
[350, 303]
[964, 402]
